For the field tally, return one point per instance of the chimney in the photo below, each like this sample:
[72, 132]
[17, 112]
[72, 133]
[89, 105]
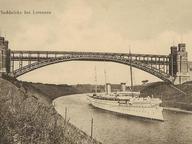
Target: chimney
[6, 44]
[181, 47]
[123, 87]
[173, 50]
[1, 40]
[108, 88]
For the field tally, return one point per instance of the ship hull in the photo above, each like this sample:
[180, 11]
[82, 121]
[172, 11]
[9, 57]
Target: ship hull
[139, 111]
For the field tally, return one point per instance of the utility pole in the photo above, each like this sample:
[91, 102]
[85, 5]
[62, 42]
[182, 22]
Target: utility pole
[65, 114]
[92, 127]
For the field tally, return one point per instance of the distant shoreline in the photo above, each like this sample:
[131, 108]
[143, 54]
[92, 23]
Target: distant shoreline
[177, 110]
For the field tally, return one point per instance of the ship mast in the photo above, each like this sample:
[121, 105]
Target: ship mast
[105, 81]
[95, 80]
[131, 71]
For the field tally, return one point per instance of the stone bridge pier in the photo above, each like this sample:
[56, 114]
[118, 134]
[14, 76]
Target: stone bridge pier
[179, 66]
[4, 57]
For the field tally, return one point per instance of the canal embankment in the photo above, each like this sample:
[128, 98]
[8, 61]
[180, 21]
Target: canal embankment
[28, 116]
[171, 98]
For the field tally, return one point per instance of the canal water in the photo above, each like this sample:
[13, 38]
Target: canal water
[111, 128]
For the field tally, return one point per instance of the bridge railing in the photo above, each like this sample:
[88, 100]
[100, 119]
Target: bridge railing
[42, 55]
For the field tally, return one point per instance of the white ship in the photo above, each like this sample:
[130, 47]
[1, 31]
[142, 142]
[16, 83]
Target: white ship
[127, 102]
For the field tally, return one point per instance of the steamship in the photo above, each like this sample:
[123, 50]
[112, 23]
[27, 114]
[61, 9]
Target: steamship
[127, 102]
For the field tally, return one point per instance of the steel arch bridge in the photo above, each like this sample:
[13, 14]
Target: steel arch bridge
[157, 65]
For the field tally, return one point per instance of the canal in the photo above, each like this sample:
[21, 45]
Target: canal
[111, 128]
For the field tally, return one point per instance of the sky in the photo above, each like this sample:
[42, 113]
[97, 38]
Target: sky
[144, 26]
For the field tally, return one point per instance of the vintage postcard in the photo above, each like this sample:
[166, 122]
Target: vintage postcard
[95, 71]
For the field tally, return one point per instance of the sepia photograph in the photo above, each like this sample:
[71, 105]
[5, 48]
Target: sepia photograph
[95, 72]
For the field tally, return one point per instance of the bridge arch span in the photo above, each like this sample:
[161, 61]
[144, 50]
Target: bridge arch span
[121, 60]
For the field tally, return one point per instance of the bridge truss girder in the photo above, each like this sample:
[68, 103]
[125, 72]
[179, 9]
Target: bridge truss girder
[157, 65]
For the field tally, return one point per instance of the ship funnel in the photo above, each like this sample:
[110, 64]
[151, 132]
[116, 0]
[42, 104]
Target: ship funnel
[123, 87]
[108, 88]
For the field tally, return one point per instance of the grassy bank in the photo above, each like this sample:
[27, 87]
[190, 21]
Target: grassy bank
[26, 116]
[170, 96]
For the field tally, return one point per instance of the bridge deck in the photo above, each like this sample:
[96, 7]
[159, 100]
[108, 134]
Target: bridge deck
[88, 53]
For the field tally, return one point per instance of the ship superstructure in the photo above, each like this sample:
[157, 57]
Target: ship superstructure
[129, 103]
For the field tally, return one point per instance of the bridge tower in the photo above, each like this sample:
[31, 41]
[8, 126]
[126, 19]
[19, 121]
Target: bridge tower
[173, 61]
[4, 57]
[179, 66]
